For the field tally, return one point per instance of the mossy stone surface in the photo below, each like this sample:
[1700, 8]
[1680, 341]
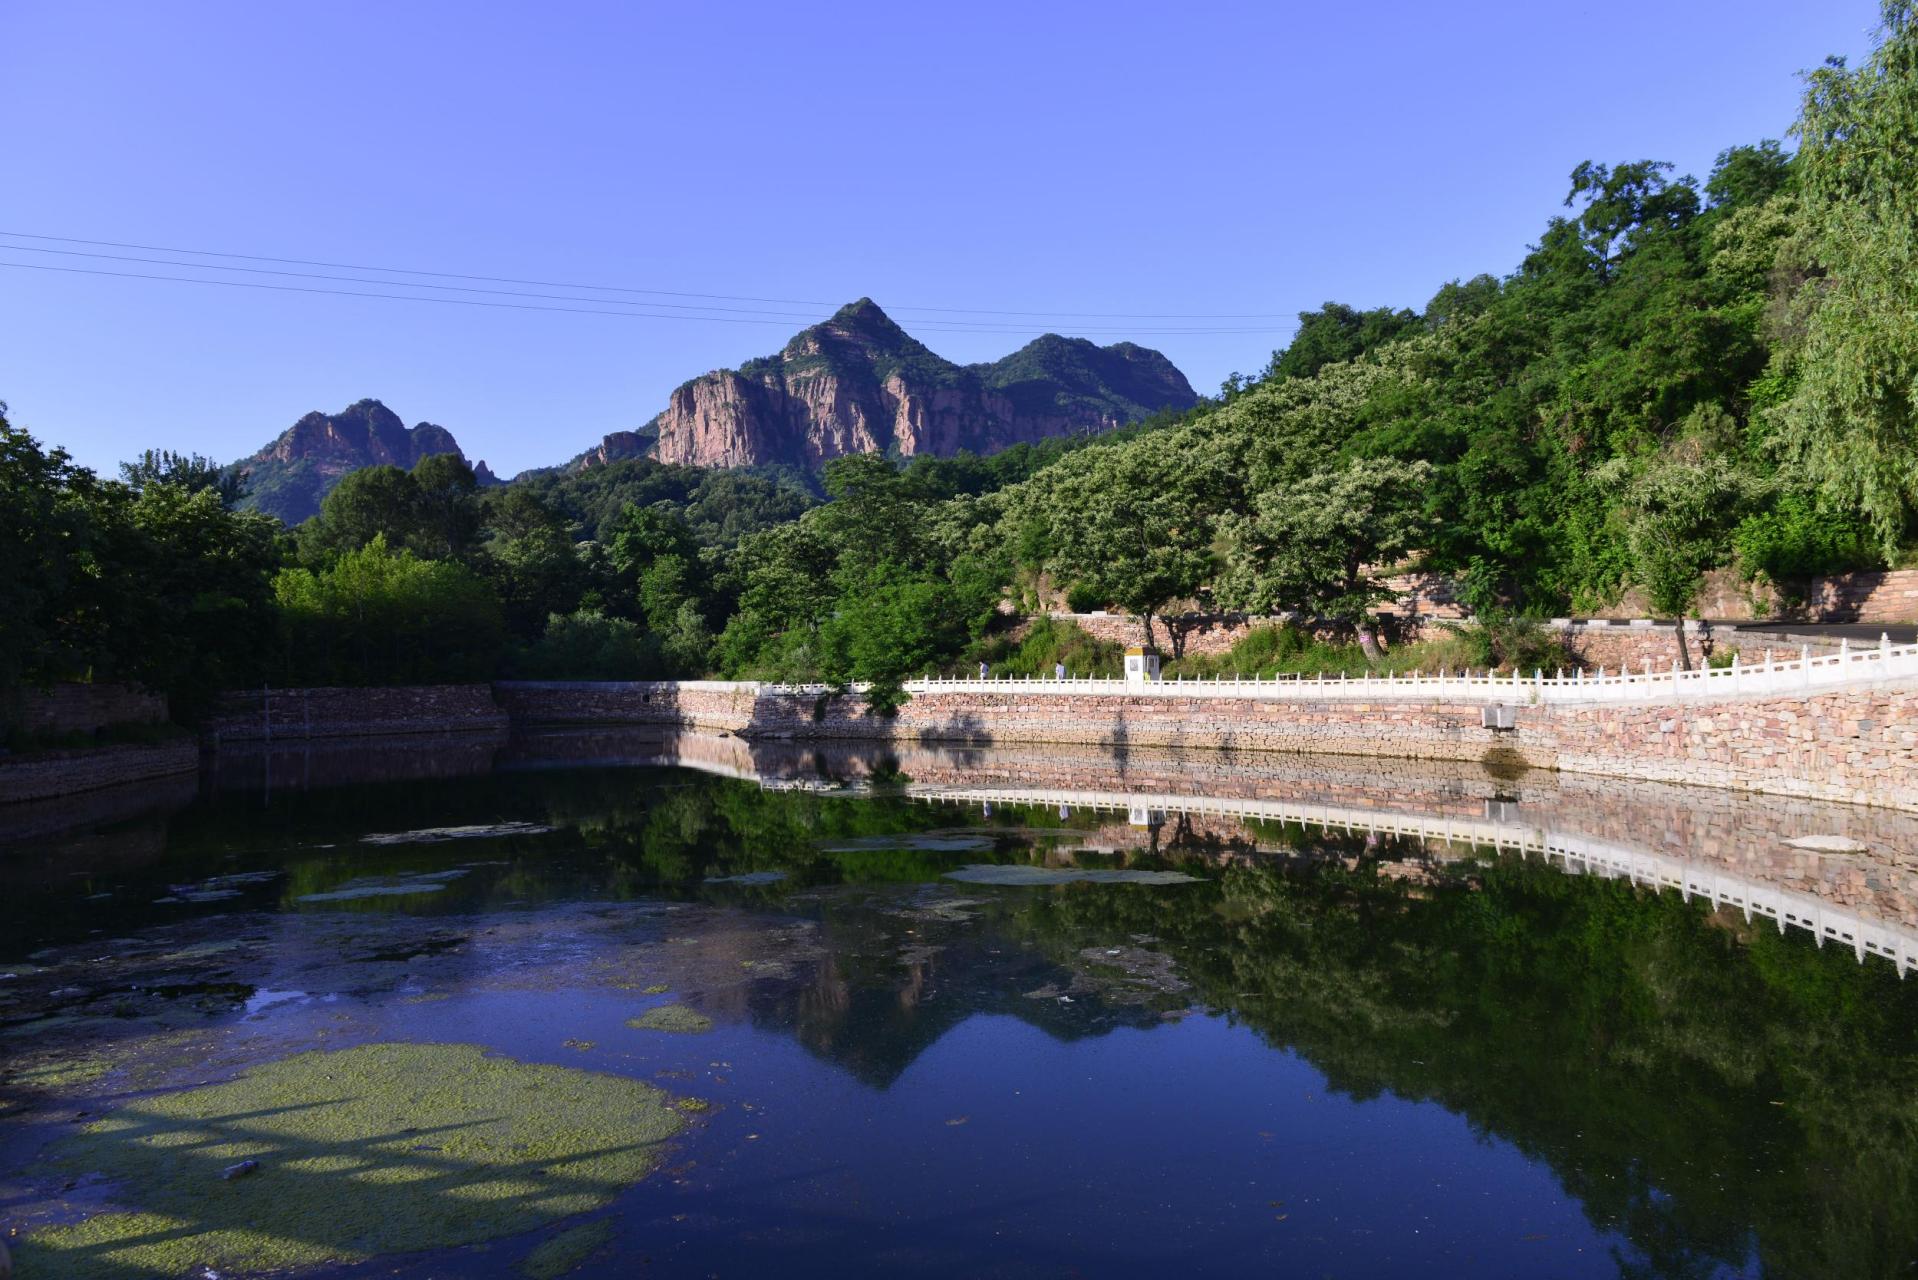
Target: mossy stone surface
[385, 1148]
[671, 1017]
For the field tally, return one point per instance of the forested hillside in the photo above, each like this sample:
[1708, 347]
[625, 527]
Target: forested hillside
[1681, 375]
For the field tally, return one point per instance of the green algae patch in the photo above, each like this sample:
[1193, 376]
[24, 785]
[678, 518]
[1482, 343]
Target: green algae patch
[386, 1148]
[657, 989]
[62, 1072]
[671, 1017]
[567, 1250]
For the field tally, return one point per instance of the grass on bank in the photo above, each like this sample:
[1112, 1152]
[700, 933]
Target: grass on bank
[1269, 651]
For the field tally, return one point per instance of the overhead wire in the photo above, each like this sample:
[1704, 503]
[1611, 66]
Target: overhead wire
[936, 326]
[606, 288]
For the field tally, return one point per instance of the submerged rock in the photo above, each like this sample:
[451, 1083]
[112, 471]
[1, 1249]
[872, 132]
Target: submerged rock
[386, 886]
[439, 835]
[1025, 875]
[750, 877]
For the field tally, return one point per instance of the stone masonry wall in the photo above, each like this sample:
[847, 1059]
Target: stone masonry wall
[46, 774]
[1857, 745]
[714, 705]
[328, 713]
[1865, 597]
[1616, 646]
[87, 708]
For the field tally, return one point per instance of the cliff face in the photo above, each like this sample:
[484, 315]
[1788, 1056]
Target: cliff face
[290, 477]
[860, 384]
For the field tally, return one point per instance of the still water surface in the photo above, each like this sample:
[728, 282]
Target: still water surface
[1015, 1014]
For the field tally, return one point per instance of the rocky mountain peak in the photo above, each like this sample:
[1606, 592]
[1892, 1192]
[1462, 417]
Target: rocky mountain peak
[292, 475]
[859, 383]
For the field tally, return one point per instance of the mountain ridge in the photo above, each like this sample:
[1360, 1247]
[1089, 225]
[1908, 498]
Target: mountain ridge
[854, 383]
[859, 383]
[290, 477]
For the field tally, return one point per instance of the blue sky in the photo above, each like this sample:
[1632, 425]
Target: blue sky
[1109, 157]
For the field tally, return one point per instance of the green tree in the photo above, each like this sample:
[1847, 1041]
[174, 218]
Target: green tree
[1336, 333]
[1851, 337]
[531, 559]
[189, 471]
[378, 616]
[197, 577]
[1679, 513]
[372, 502]
[1122, 529]
[49, 538]
[447, 510]
[591, 646]
[1315, 546]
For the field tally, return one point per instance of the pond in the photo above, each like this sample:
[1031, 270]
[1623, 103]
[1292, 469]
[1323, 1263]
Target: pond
[596, 1005]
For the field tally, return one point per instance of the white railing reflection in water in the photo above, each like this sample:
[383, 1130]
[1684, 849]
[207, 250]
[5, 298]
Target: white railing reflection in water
[1826, 922]
[1772, 675]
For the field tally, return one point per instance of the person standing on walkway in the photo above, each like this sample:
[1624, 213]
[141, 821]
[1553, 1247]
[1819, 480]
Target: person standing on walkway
[1058, 671]
[982, 671]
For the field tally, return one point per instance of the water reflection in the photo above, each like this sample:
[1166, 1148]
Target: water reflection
[1700, 1043]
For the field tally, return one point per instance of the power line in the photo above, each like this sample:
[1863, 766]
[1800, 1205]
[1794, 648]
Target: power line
[931, 326]
[979, 326]
[604, 288]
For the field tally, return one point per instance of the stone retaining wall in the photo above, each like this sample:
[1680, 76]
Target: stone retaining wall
[272, 714]
[1857, 745]
[1630, 646]
[716, 705]
[86, 708]
[45, 774]
[1865, 597]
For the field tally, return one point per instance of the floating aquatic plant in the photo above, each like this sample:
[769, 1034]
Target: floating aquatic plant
[671, 1017]
[385, 1148]
[567, 1250]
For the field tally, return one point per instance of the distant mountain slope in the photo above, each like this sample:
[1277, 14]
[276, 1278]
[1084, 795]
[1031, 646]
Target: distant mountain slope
[290, 477]
[858, 383]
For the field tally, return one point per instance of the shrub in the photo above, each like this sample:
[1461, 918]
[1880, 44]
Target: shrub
[1047, 642]
[589, 646]
[384, 617]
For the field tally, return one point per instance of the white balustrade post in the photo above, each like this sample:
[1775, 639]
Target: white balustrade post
[1735, 681]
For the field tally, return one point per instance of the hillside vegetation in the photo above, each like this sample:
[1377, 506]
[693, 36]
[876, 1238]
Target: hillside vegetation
[1681, 375]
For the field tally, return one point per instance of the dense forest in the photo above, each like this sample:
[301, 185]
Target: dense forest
[1680, 376]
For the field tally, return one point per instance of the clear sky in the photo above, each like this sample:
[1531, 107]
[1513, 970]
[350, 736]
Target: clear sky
[1096, 157]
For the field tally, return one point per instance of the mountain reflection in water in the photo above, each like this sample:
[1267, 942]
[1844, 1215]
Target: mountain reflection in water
[1383, 1031]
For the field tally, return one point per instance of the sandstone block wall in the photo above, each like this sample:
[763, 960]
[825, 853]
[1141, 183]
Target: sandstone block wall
[334, 712]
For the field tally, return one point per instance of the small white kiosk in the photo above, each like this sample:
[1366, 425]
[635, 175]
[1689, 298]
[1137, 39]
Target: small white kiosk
[1141, 664]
